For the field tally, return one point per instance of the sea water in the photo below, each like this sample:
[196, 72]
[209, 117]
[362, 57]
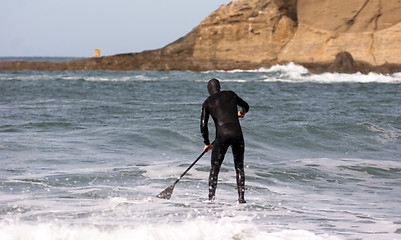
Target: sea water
[83, 155]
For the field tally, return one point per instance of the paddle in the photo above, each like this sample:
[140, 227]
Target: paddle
[166, 194]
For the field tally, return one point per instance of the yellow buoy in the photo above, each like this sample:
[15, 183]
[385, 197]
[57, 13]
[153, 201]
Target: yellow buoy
[97, 52]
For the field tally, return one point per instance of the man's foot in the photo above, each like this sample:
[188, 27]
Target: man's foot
[241, 200]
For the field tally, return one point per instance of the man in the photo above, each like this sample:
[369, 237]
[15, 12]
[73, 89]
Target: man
[222, 106]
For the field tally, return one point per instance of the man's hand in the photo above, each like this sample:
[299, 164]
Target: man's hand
[207, 147]
[241, 114]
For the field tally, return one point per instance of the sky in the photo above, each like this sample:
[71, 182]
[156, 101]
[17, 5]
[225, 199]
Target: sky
[75, 28]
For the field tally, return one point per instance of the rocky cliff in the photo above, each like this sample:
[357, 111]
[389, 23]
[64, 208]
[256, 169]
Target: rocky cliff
[322, 35]
[370, 30]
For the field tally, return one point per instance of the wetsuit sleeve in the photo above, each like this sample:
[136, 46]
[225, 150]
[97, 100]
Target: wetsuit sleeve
[203, 125]
[244, 105]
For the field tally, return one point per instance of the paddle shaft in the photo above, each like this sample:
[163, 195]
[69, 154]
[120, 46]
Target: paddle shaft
[166, 194]
[196, 160]
[185, 172]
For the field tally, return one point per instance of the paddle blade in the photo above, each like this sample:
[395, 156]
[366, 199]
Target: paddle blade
[166, 194]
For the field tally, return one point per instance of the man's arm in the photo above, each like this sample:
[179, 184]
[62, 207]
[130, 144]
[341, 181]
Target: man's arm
[203, 125]
[244, 105]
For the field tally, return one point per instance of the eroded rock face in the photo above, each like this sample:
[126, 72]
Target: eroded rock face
[250, 30]
[249, 34]
[368, 29]
[350, 16]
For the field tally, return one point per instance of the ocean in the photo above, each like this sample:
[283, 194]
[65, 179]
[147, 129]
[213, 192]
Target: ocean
[84, 154]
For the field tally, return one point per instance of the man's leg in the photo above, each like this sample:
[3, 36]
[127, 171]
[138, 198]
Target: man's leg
[218, 153]
[238, 153]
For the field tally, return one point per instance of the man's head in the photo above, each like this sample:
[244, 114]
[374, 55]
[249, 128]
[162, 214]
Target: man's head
[213, 86]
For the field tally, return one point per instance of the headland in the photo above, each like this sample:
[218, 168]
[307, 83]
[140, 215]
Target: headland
[322, 35]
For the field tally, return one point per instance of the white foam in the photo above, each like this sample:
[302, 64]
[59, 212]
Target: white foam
[142, 77]
[290, 67]
[247, 71]
[296, 73]
[93, 77]
[234, 80]
[293, 69]
[225, 228]
[290, 72]
[357, 77]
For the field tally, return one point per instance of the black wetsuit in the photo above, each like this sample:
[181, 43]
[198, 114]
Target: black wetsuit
[222, 106]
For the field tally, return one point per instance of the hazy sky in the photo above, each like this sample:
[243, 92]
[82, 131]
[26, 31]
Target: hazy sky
[74, 28]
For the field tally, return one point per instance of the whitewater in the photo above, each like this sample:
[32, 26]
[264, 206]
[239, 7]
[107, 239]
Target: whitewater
[84, 154]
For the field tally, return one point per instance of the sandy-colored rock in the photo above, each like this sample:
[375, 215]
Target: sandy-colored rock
[387, 45]
[349, 16]
[368, 29]
[250, 30]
